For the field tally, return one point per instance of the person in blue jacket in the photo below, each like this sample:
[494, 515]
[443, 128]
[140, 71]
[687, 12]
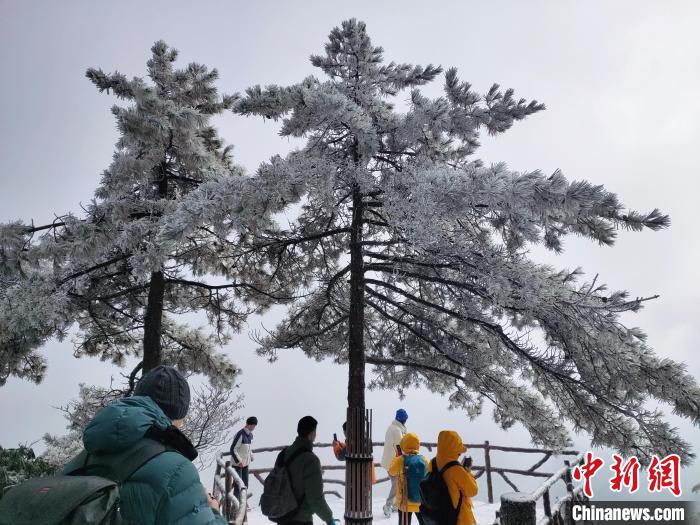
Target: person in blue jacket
[166, 490]
[242, 451]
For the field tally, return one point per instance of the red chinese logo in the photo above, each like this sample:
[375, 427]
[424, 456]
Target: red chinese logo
[665, 474]
[626, 474]
[662, 473]
[586, 471]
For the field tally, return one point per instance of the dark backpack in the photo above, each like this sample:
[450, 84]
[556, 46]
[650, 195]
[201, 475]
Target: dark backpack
[414, 472]
[436, 505]
[87, 493]
[278, 501]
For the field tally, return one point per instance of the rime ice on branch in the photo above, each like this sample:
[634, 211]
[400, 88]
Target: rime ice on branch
[213, 412]
[411, 255]
[127, 268]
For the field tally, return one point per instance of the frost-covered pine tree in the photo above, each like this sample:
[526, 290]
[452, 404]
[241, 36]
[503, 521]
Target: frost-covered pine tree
[213, 413]
[411, 255]
[116, 270]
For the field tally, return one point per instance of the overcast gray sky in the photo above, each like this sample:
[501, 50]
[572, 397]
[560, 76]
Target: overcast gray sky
[619, 79]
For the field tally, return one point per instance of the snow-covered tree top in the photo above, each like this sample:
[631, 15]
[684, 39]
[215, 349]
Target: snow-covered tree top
[96, 268]
[451, 300]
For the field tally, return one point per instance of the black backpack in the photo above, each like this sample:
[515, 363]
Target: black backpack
[87, 493]
[278, 501]
[436, 505]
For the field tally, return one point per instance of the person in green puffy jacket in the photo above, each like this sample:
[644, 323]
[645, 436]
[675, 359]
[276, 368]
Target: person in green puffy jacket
[166, 490]
[305, 476]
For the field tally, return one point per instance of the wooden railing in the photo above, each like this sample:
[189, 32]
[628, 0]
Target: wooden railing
[487, 469]
[259, 472]
[518, 508]
[226, 480]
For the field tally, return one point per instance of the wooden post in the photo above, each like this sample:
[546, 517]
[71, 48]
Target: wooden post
[217, 475]
[567, 477]
[487, 468]
[547, 504]
[566, 512]
[517, 508]
[227, 485]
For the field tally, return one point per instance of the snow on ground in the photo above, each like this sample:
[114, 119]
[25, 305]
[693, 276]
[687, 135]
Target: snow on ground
[484, 513]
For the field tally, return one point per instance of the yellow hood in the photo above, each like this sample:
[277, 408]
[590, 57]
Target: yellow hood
[450, 446]
[410, 443]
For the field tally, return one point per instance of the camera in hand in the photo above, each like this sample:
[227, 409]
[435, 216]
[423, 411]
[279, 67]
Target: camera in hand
[467, 462]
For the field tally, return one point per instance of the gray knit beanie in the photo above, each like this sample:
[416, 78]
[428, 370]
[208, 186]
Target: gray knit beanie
[168, 388]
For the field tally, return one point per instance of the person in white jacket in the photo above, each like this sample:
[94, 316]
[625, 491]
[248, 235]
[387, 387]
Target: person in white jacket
[242, 450]
[396, 431]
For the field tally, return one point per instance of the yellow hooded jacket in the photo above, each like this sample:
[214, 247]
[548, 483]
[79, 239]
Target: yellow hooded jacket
[409, 445]
[458, 479]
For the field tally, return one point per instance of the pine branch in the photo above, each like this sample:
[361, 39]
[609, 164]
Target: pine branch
[99, 266]
[412, 364]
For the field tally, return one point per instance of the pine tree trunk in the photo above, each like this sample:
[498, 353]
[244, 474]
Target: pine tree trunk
[358, 469]
[153, 323]
[153, 320]
[356, 351]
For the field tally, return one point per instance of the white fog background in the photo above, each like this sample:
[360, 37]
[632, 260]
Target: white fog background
[620, 81]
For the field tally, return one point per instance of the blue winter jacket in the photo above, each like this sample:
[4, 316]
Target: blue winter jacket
[164, 491]
[241, 448]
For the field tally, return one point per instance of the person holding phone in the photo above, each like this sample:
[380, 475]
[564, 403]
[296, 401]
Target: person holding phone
[340, 448]
[460, 482]
[394, 434]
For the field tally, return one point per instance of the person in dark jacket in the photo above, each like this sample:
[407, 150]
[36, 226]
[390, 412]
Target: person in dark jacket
[242, 451]
[305, 476]
[166, 490]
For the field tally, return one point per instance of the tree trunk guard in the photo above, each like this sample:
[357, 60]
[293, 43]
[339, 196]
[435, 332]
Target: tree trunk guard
[358, 467]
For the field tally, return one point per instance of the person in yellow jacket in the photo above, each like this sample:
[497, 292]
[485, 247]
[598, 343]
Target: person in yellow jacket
[410, 468]
[459, 480]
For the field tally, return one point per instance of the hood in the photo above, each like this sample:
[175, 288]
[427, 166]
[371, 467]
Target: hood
[410, 443]
[123, 423]
[401, 426]
[449, 448]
